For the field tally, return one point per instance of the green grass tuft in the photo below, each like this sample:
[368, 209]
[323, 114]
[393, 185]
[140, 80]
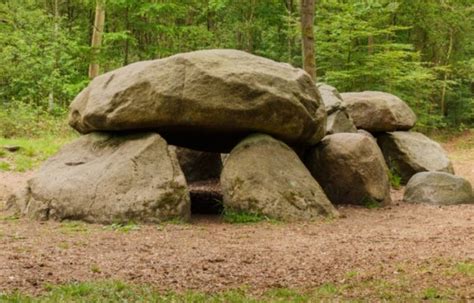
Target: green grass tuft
[73, 227]
[394, 178]
[370, 203]
[466, 268]
[32, 152]
[123, 227]
[431, 293]
[238, 217]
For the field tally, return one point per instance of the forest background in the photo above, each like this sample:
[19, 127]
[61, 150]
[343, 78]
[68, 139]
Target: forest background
[420, 50]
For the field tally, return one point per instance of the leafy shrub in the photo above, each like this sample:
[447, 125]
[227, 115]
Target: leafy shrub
[19, 119]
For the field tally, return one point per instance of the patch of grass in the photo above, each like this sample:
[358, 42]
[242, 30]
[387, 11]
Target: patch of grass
[286, 295]
[327, 290]
[354, 290]
[32, 152]
[63, 245]
[4, 166]
[394, 178]
[236, 217]
[123, 227]
[73, 227]
[175, 221]
[431, 293]
[370, 203]
[10, 218]
[19, 119]
[466, 268]
[352, 274]
[95, 269]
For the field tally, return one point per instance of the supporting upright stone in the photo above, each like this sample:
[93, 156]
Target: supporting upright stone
[351, 169]
[263, 175]
[107, 178]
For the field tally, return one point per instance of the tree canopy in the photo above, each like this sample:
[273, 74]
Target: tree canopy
[419, 50]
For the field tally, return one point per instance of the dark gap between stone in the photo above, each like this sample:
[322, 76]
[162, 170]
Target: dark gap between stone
[206, 198]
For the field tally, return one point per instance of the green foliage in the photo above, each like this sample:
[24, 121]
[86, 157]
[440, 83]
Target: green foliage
[394, 178]
[123, 227]
[421, 51]
[237, 217]
[370, 203]
[19, 119]
[32, 152]
[72, 227]
[40, 62]
[116, 291]
[466, 268]
[431, 293]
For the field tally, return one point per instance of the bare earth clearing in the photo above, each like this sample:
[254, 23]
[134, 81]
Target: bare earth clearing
[416, 246]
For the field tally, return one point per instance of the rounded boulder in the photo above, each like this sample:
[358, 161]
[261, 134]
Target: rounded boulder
[438, 188]
[205, 100]
[264, 176]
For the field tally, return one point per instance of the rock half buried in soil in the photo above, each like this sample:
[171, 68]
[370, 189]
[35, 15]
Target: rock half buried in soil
[378, 111]
[206, 100]
[351, 169]
[108, 178]
[264, 176]
[438, 188]
[408, 153]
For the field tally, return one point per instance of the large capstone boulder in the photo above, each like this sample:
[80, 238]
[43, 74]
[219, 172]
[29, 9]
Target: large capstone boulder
[198, 165]
[438, 188]
[264, 176]
[351, 169]
[408, 153]
[108, 178]
[378, 111]
[206, 100]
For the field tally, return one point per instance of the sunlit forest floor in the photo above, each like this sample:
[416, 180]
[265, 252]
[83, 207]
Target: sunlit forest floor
[397, 253]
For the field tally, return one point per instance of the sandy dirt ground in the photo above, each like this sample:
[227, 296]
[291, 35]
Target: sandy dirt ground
[209, 255]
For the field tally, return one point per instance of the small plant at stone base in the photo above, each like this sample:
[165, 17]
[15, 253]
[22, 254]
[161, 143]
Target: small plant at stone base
[123, 227]
[431, 294]
[73, 227]
[95, 269]
[4, 166]
[235, 216]
[370, 203]
[394, 175]
[394, 178]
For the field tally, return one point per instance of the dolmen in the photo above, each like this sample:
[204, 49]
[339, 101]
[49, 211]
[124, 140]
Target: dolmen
[124, 168]
[153, 132]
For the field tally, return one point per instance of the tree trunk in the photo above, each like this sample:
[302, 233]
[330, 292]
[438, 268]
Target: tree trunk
[307, 32]
[51, 102]
[289, 8]
[97, 38]
[127, 43]
[444, 109]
